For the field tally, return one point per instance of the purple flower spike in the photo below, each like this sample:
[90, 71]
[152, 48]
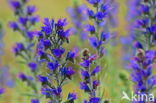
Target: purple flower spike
[51, 38]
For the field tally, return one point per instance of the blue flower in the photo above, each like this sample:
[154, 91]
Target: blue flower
[145, 8]
[30, 35]
[94, 2]
[46, 43]
[48, 28]
[85, 74]
[57, 91]
[58, 52]
[32, 66]
[94, 42]
[143, 22]
[53, 65]
[71, 97]
[31, 10]
[85, 63]
[22, 76]
[90, 13]
[43, 79]
[67, 72]
[34, 19]
[35, 101]
[2, 90]
[94, 100]
[14, 25]
[18, 48]
[23, 20]
[61, 23]
[95, 70]
[104, 7]
[90, 28]
[104, 36]
[64, 34]
[95, 84]
[84, 87]
[100, 15]
[71, 56]
[138, 45]
[15, 5]
[77, 14]
[42, 54]
[46, 91]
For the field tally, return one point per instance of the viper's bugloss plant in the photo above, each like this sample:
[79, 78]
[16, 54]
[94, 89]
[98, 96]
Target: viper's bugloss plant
[78, 17]
[142, 65]
[5, 76]
[1, 51]
[143, 30]
[98, 17]
[98, 35]
[24, 23]
[143, 22]
[51, 52]
[89, 70]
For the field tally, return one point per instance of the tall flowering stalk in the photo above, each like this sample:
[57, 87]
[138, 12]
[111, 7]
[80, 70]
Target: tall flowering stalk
[1, 51]
[25, 20]
[5, 76]
[143, 22]
[51, 52]
[144, 32]
[98, 36]
[78, 17]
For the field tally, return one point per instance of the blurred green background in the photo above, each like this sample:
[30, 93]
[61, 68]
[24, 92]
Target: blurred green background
[112, 87]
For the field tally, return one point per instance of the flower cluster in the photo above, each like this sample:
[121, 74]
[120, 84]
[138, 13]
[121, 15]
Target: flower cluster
[98, 36]
[51, 52]
[1, 51]
[24, 23]
[143, 30]
[99, 17]
[78, 16]
[5, 76]
[142, 65]
[143, 24]
[88, 72]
